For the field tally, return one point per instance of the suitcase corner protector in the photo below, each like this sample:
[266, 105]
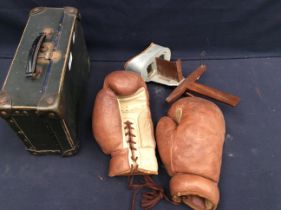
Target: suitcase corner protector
[5, 104]
[36, 10]
[71, 10]
[71, 152]
[51, 105]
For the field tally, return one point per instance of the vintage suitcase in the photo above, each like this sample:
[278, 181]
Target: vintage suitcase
[40, 94]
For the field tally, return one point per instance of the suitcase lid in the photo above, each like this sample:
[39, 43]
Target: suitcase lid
[36, 74]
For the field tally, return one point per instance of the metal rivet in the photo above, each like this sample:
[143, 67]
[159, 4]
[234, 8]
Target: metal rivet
[25, 112]
[52, 115]
[17, 112]
[3, 100]
[35, 10]
[71, 10]
[48, 32]
[4, 114]
[50, 100]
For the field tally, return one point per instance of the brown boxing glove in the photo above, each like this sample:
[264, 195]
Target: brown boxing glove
[190, 142]
[122, 125]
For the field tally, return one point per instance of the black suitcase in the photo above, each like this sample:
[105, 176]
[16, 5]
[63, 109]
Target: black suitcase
[40, 94]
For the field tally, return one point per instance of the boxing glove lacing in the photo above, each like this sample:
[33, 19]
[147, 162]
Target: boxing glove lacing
[153, 197]
[131, 142]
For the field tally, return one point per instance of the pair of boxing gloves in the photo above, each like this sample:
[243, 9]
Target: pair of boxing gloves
[189, 139]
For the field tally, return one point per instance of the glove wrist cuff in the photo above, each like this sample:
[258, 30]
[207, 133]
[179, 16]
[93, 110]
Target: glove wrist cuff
[120, 165]
[195, 191]
[147, 163]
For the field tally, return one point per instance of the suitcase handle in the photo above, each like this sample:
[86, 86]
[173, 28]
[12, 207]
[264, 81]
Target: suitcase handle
[33, 54]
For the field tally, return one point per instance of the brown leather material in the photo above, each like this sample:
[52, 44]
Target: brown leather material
[183, 186]
[104, 111]
[190, 142]
[170, 69]
[122, 124]
[124, 83]
[190, 84]
[119, 164]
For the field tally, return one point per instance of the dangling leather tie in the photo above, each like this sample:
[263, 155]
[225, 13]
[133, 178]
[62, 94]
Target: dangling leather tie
[151, 198]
